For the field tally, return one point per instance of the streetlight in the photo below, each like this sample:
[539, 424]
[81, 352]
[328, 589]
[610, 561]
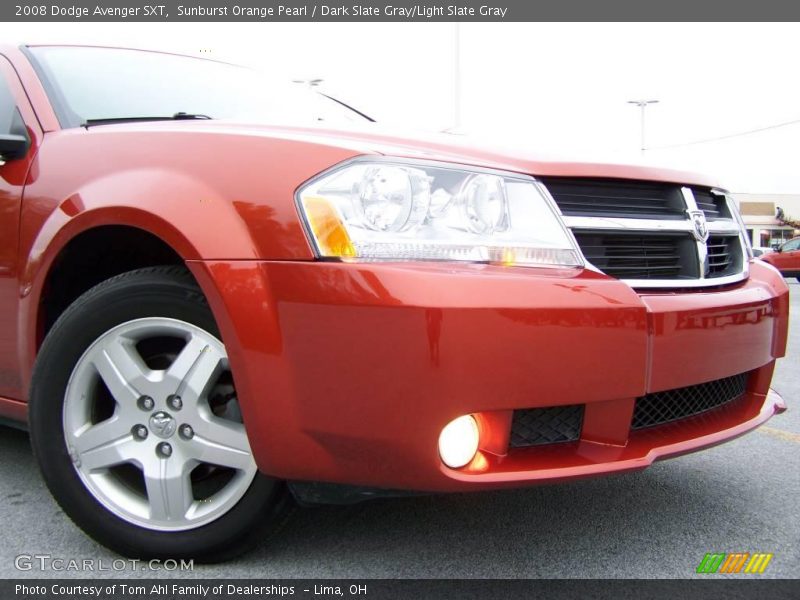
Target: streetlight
[312, 83]
[642, 104]
[457, 77]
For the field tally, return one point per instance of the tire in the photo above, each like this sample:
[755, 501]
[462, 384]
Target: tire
[107, 364]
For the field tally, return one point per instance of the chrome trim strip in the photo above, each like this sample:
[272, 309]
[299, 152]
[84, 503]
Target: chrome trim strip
[737, 216]
[686, 283]
[726, 226]
[548, 198]
[701, 242]
[605, 223]
[688, 197]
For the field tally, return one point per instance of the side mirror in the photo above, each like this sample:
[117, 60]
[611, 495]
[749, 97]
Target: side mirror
[14, 142]
[13, 146]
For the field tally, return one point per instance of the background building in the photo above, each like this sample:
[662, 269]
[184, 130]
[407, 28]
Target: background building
[759, 213]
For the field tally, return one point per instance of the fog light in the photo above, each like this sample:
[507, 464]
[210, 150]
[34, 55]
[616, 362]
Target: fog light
[458, 442]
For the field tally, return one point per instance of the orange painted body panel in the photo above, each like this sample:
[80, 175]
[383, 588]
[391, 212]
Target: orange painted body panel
[347, 372]
[352, 370]
[13, 177]
[717, 333]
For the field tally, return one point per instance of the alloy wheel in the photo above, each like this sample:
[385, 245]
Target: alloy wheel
[153, 427]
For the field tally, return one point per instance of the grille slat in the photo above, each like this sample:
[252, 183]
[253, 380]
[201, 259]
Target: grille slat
[609, 198]
[672, 405]
[631, 199]
[621, 268]
[640, 255]
[724, 255]
[550, 425]
[712, 205]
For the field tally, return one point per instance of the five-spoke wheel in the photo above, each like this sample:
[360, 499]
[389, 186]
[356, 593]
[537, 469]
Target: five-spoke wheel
[137, 427]
[175, 425]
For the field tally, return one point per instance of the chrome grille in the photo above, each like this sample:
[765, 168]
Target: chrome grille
[653, 234]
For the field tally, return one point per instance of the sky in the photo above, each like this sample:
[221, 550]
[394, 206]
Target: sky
[553, 88]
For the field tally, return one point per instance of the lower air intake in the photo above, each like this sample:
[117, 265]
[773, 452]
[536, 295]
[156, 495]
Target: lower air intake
[537, 426]
[673, 405]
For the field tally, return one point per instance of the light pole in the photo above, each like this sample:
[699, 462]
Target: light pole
[457, 77]
[311, 83]
[642, 104]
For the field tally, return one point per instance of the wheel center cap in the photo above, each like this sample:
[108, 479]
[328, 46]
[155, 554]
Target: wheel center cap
[162, 424]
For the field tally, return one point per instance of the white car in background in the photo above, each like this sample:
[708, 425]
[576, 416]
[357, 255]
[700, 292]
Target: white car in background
[761, 250]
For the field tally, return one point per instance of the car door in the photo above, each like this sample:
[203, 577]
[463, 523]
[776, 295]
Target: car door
[788, 258]
[16, 114]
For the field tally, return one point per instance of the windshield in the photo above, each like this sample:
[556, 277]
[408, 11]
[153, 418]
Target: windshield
[108, 84]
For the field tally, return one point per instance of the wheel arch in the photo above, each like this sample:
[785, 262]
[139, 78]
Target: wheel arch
[60, 243]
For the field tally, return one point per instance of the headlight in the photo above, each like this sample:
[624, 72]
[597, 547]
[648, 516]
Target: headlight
[397, 210]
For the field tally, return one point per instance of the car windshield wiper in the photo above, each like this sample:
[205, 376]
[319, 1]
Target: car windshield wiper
[348, 107]
[178, 116]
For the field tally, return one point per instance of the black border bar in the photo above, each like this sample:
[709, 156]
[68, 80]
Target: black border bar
[387, 589]
[398, 10]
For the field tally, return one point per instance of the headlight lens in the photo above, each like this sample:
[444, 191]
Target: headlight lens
[386, 210]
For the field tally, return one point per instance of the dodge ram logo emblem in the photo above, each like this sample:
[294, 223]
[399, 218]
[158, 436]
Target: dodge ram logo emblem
[700, 226]
[163, 425]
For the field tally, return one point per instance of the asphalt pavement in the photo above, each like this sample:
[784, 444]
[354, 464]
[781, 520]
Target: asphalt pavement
[738, 497]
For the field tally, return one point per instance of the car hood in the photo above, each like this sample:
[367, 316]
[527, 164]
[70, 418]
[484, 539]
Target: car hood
[375, 139]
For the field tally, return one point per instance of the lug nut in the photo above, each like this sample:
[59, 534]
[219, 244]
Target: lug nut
[139, 432]
[164, 450]
[146, 403]
[186, 432]
[175, 402]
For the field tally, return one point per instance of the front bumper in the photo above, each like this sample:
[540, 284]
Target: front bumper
[348, 372]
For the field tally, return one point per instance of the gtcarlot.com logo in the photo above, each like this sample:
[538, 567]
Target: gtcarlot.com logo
[47, 562]
[737, 562]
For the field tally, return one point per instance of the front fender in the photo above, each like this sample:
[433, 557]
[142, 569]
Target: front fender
[208, 196]
[191, 217]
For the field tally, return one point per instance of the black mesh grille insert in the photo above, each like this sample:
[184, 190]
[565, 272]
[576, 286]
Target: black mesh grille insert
[537, 426]
[713, 205]
[724, 255]
[630, 199]
[643, 255]
[672, 405]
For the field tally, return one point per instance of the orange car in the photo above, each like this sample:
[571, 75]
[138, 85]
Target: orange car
[206, 311]
[786, 258]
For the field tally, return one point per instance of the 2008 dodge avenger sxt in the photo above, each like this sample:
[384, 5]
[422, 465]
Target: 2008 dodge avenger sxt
[204, 314]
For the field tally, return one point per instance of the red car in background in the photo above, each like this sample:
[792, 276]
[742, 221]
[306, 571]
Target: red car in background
[786, 258]
[204, 313]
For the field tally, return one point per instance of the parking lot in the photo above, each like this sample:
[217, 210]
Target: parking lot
[738, 497]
